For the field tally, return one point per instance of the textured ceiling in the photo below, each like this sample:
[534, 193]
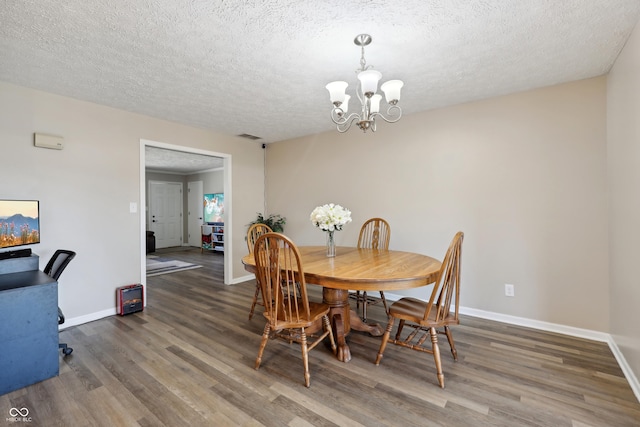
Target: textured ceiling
[260, 67]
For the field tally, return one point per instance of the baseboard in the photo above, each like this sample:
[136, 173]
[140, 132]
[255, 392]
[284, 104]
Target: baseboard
[80, 320]
[537, 324]
[529, 323]
[628, 372]
[557, 328]
[242, 279]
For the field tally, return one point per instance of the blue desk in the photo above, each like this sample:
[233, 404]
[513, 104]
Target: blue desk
[28, 328]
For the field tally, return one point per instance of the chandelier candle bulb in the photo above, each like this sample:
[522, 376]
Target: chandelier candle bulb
[366, 91]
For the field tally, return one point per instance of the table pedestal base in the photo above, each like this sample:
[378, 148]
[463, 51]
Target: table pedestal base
[374, 329]
[343, 319]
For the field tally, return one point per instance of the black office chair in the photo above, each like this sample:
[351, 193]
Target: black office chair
[56, 265]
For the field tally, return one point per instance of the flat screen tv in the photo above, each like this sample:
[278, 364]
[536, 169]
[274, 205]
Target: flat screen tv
[213, 208]
[19, 223]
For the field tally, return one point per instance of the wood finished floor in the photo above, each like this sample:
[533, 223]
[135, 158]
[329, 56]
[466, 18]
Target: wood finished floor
[188, 359]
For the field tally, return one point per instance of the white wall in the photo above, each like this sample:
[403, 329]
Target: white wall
[524, 176]
[85, 190]
[623, 132]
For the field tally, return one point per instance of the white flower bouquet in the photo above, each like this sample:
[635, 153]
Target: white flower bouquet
[330, 217]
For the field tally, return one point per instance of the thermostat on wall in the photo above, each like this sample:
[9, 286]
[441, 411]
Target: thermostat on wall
[48, 141]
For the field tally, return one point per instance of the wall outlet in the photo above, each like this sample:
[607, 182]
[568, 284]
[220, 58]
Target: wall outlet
[509, 290]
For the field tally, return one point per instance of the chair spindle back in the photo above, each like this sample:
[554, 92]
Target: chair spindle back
[255, 231]
[447, 286]
[375, 234]
[281, 277]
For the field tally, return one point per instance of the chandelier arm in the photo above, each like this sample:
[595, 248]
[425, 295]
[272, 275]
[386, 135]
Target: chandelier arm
[366, 109]
[359, 93]
[346, 124]
[392, 111]
[338, 117]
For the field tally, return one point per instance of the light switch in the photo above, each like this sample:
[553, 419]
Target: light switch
[133, 207]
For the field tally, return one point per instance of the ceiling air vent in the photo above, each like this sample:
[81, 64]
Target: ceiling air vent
[251, 137]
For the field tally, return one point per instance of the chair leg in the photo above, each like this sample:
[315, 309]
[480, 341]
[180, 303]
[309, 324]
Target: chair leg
[327, 327]
[384, 302]
[263, 344]
[447, 331]
[436, 355]
[255, 300]
[399, 331]
[305, 357]
[364, 306]
[385, 339]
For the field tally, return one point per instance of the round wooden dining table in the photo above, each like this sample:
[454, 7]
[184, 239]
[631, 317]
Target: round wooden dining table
[359, 269]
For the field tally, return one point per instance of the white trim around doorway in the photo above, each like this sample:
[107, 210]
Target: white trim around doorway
[228, 198]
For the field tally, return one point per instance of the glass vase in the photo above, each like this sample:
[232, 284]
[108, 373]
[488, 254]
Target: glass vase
[331, 244]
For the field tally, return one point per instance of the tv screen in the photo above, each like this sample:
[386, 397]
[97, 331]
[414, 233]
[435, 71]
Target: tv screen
[213, 207]
[19, 223]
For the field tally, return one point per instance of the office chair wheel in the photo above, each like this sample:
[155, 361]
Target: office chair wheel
[67, 351]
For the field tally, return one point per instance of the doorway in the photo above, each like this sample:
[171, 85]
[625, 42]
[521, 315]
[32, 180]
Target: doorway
[144, 211]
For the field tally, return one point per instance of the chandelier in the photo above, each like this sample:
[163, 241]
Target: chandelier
[366, 91]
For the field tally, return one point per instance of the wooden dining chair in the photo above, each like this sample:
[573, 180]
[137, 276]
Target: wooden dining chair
[375, 233]
[255, 231]
[289, 313]
[441, 311]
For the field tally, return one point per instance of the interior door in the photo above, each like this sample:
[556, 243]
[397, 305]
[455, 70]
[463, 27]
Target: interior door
[165, 213]
[195, 197]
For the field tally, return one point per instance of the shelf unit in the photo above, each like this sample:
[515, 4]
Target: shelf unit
[212, 237]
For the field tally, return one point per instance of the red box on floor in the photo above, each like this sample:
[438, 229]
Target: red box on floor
[129, 299]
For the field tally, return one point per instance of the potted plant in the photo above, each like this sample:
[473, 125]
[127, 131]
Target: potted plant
[275, 222]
